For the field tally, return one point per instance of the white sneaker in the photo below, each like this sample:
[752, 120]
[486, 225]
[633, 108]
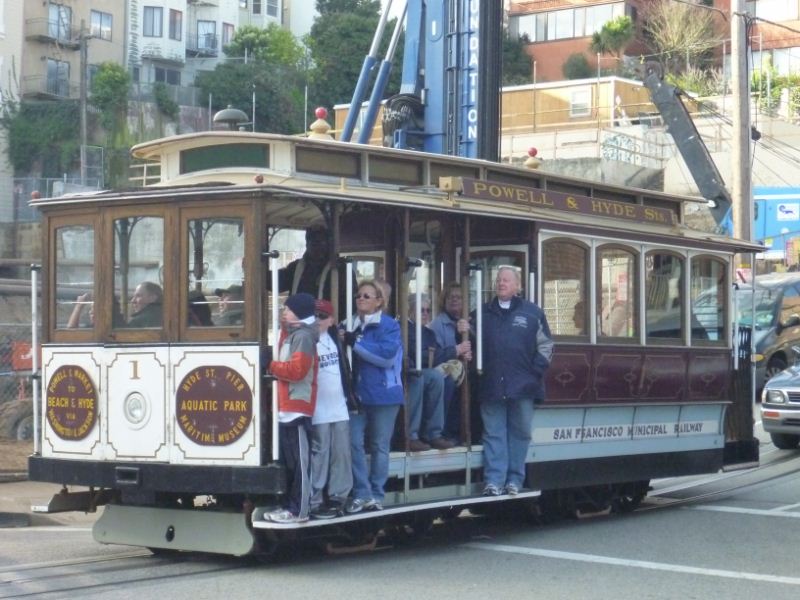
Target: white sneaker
[284, 516]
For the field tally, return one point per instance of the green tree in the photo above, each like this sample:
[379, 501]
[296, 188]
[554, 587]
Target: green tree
[366, 7]
[517, 68]
[576, 67]
[109, 93]
[43, 137]
[273, 45]
[613, 38]
[278, 90]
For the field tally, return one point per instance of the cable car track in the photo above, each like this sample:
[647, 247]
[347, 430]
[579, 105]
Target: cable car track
[780, 462]
[34, 579]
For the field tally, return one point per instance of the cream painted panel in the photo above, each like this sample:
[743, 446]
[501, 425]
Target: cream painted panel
[68, 401]
[215, 412]
[138, 413]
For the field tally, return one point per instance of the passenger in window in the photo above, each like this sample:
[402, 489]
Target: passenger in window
[147, 307]
[81, 302]
[199, 311]
[295, 369]
[377, 367]
[448, 327]
[230, 306]
[425, 384]
[517, 348]
[331, 464]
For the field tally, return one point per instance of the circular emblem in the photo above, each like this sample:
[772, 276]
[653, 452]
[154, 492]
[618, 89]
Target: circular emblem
[71, 403]
[136, 410]
[213, 406]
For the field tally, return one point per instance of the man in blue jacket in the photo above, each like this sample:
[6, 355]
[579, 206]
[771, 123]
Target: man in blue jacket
[517, 349]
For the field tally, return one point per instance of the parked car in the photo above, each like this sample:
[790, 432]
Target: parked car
[780, 406]
[775, 321]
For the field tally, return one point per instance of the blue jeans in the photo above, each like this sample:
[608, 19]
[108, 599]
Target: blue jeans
[506, 439]
[426, 405]
[376, 425]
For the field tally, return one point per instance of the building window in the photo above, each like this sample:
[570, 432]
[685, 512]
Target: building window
[170, 76]
[243, 4]
[256, 7]
[567, 23]
[101, 25]
[272, 8]
[92, 71]
[175, 25]
[227, 33]
[60, 22]
[206, 35]
[135, 74]
[564, 24]
[580, 103]
[153, 21]
[58, 77]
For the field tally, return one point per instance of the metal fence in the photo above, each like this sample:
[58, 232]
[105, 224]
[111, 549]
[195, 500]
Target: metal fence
[15, 383]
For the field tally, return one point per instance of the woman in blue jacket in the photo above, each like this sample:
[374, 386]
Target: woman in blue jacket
[377, 363]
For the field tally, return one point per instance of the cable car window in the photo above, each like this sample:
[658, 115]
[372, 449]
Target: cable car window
[138, 264]
[708, 299]
[616, 293]
[215, 275]
[664, 297]
[74, 276]
[565, 287]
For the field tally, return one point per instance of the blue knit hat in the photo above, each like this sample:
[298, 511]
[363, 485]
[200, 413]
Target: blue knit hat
[302, 305]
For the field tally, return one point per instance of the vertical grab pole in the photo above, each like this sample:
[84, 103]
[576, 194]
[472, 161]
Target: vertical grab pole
[418, 317]
[273, 269]
[35, 355]
[479, 321]
[348, 323]
[532, 287]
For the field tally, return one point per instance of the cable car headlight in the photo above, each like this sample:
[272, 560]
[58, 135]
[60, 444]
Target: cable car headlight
[774, 397]
[136, 409]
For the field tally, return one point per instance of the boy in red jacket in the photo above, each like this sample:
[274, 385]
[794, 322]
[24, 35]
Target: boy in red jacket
[295, 371]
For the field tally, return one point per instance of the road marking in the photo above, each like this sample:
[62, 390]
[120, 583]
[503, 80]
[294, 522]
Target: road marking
[47, 528]
[639, 564]
[773, 512]
[787, 507]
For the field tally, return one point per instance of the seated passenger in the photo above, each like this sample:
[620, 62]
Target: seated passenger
[75, 318]
[146, 303]
[199, 311]
[425, 384]
[231, 306]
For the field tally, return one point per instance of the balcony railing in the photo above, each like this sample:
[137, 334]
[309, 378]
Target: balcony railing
[184, 96]
[45, 30]
[45, 87]
[202, 45]
[157, 52]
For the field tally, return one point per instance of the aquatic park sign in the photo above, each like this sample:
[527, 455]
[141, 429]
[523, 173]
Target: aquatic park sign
[572, 203]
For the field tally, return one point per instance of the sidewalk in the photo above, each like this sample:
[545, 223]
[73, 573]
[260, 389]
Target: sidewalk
[17, 497]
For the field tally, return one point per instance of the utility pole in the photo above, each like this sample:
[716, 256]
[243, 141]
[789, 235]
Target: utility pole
[83, 37]
[741, 180]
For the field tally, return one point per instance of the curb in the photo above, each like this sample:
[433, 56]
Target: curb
[9, 520]
[11, 477]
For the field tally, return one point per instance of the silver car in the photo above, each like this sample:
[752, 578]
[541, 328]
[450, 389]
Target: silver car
[780, 407]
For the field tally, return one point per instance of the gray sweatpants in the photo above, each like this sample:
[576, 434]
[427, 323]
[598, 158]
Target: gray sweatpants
[330, 462]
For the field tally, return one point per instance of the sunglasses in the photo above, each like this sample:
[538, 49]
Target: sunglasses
[322, 316]
[365, 297]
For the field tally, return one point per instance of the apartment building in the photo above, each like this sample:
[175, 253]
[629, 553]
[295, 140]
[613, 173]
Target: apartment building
[775, 44]
[10, 53]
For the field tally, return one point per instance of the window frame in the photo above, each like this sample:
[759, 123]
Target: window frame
[683, 339]
[250, 216]
[586, 285]
[725, 288]
[153, 11]
[175, 25]
[635, 252]
[102, 17]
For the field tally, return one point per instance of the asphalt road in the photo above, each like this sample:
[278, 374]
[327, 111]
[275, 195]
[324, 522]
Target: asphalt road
[727, 536]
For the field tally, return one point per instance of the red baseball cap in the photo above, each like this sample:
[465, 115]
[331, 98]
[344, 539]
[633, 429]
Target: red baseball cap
[324, 307]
